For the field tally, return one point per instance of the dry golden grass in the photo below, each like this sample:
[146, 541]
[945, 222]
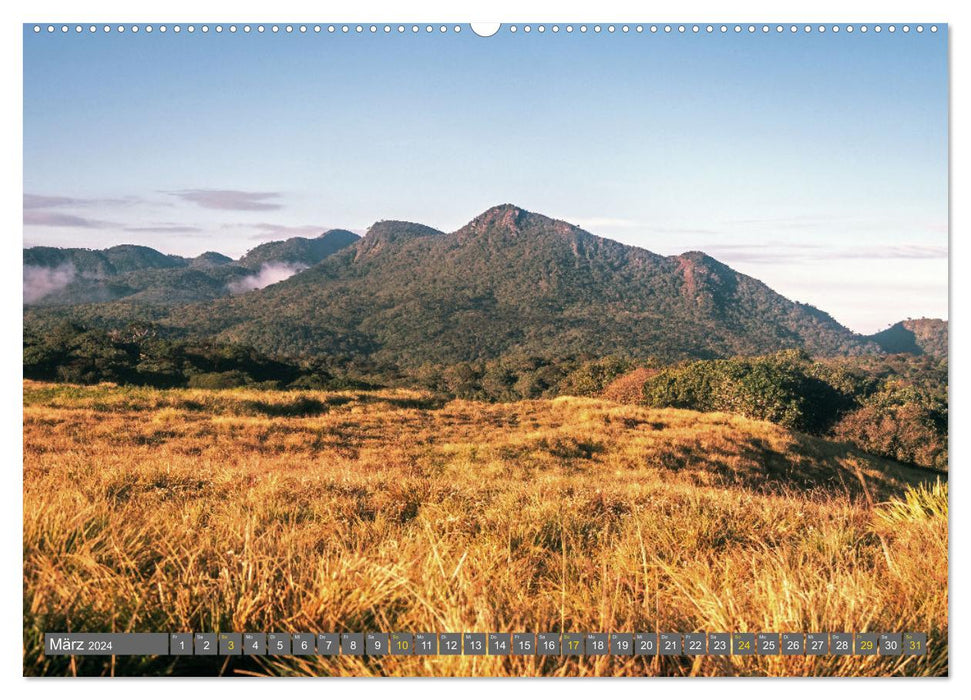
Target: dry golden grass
[189, 510]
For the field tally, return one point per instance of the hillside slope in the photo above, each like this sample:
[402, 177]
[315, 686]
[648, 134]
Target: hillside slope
[393, 510]
[915, 336]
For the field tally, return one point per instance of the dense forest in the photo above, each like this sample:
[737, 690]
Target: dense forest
[890, 405]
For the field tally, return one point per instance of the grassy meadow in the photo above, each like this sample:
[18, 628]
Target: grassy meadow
[303, 511]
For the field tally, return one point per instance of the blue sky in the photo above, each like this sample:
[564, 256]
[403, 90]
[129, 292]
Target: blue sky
[815, 162]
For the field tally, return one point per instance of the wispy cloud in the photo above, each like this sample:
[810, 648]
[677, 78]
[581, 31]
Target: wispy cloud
[40, 201]
[269, 273]
[164, 228]
[787, 222]
[604, 222]
[682, 231]
[233, 200]
[49, 218]
[904, 252]
[599, 223]
[276, 231]
[808, 252]
[46, 201]
[835, 223]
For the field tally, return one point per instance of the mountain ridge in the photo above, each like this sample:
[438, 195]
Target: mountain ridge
[509, 281]
[512, 281]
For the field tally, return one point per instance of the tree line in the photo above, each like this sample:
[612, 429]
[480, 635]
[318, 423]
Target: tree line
[890, 405]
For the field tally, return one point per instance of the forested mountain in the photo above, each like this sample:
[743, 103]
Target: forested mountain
[58, 277]
[299, 251]
[514, 282]
[915, 336]
[509, 283]
[209, 260]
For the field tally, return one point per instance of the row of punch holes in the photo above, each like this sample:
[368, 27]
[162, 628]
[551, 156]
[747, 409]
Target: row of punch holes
[486, 31]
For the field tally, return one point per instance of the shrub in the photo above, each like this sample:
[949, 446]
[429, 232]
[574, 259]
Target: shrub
[593, 376]
[781, 388]
[907, 433]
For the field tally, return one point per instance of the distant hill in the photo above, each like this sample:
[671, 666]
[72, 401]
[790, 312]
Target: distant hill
[58, 277]
[210, 259]
[299, 251]
[102, 263]
[918, 336]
